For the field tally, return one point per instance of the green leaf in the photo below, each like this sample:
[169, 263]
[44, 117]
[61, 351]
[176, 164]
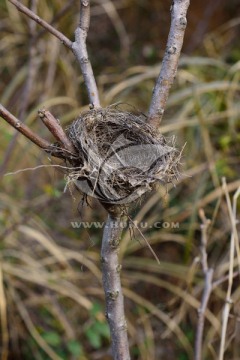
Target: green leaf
[96, 308]
[52, 338]
[183, 357]
[225, 141]
[75, 348]
[93, 337]
[102, 329]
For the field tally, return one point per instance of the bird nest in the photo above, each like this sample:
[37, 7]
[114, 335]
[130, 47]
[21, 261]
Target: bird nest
[120, 156]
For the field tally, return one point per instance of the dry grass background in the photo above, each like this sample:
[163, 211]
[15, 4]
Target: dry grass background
[51, 298]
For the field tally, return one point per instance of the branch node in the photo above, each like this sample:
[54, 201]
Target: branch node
[172, 50]
[113, 295]
[114, 243]
[85, 2]
[183, 21]
[84, 60]
[124, 327]
[119, 268]
[41, 113]
[103, 260]
[229, 301]
[160, 111]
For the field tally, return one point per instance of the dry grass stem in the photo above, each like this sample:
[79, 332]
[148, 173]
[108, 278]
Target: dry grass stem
[208, 276]
[233, 242]
[4, 319]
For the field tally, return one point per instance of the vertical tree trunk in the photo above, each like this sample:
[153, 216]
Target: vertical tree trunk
[112, 286]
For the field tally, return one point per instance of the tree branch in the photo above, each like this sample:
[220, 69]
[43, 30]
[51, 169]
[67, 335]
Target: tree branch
[59, 152]
[112, 287]
[79, 49]
[170, 61]
[55, 128]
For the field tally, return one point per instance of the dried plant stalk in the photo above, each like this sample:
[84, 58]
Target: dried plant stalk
[208, 276]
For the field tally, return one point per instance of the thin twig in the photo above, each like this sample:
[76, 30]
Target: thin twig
[149, 246]
[170, 61]
[218, 282]
[79, 49]
[41, 167]
[43, 23]
[113, 290]
[55, 128]
[208, 275]
[56, 151]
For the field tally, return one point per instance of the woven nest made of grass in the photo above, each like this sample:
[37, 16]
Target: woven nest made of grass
[121, 157]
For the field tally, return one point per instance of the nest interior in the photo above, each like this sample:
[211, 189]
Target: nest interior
[120, 156]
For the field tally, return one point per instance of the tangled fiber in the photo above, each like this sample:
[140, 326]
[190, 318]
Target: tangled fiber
[121, 157]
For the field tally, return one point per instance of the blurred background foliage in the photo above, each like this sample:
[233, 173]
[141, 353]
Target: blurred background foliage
[51, 298]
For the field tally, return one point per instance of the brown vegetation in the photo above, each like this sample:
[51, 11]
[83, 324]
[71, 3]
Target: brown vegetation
[50, 279]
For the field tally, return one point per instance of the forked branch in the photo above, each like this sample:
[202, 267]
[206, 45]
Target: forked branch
[170, 61]
[65, 151]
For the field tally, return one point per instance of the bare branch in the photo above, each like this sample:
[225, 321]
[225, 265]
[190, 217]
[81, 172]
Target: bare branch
[113, 290]
[79, 49]
[55, 128]
[170, 61]
[43, 23]
[208, 276]
[24, 129]
[36, 139]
